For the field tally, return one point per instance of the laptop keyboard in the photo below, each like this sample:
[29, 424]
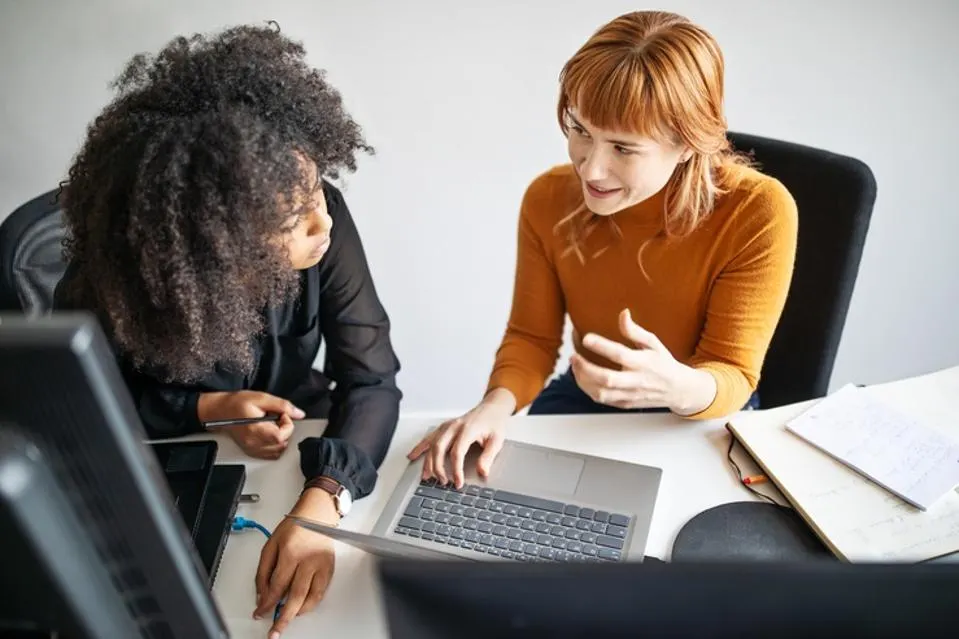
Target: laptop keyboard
[512, 525]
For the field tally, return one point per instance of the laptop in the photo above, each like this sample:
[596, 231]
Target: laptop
[213, 530]
[538, 504]
[205, 494]
[187, 467]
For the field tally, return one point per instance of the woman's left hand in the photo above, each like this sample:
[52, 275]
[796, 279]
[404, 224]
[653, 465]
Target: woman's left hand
[650, 376]
[296, 563]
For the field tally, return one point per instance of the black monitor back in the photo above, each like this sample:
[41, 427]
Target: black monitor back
[71, 594]
[433, 599]
[61, 391]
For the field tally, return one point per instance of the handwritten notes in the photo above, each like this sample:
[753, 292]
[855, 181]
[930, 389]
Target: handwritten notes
[893, 449]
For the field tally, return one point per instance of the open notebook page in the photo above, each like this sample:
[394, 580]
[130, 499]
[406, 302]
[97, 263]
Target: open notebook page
[857, 519]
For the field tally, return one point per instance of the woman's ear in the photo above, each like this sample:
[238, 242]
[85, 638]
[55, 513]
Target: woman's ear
[686, 154]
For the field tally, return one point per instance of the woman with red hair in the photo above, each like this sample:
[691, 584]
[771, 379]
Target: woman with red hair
[671, 256]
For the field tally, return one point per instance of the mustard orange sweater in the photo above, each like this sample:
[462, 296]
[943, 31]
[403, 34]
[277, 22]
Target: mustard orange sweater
[713, 298]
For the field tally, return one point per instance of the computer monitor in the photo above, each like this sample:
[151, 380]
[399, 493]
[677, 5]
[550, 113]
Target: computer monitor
[99, 549]
[429, 599]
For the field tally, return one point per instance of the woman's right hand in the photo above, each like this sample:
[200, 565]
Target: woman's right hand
[266, 440]
[484, 425]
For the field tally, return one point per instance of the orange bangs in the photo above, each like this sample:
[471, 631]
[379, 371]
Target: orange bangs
[614, 91]
[652, 74]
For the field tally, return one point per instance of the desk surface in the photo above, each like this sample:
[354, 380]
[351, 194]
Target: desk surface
[696, 476]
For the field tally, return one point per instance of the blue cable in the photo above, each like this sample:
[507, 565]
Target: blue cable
[241, 523]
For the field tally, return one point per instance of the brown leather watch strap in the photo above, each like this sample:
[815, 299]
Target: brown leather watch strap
[329, 485]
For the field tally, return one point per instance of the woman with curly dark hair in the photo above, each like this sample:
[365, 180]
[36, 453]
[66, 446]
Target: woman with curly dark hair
[204, 235]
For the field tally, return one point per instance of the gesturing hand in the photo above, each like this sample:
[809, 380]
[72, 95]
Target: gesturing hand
[650, 377]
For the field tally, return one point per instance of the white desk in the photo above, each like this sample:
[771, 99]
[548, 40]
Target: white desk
[696, 476]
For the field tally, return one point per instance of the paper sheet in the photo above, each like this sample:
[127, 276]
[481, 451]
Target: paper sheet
[890, 447]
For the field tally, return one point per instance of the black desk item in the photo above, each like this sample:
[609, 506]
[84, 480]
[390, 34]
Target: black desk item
[187, 467]
[748, 531]
[205, 494]
[223, 495]
[427, 599]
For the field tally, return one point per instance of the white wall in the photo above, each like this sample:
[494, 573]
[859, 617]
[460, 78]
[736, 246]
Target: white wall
[458, 98]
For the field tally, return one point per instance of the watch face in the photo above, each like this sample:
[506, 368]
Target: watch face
[344, 502]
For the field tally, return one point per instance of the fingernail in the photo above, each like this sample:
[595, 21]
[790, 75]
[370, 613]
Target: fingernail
[298, 413]
[274, 635]
[257, 616]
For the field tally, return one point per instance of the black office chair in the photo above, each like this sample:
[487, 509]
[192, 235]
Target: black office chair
[835, 196]
[31, 255]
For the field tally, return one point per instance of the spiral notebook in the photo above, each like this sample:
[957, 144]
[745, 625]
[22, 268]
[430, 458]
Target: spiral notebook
[858, 518]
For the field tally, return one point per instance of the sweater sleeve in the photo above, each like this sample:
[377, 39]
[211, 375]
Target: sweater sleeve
[534, 333]
[748, 297]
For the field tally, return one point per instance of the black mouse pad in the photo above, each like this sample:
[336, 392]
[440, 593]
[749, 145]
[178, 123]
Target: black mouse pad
[748, 531]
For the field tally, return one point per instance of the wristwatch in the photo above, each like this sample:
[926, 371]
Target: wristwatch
[342, 498]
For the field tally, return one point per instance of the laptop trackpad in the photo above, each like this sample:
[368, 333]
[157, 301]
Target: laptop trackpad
[534, 471]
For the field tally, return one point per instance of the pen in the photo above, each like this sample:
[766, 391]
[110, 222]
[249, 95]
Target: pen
[755, 479]
[223, 423]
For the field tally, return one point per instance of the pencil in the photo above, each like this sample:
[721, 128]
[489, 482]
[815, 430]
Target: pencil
[755, 479]
[240, 421]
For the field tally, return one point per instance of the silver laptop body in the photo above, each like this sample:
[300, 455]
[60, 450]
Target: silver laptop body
[538, 504]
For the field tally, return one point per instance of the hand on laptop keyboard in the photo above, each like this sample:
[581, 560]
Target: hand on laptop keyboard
[483, 425]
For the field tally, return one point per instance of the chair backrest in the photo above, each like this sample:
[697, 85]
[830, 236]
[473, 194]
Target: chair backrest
[835, 196]
[31, 255]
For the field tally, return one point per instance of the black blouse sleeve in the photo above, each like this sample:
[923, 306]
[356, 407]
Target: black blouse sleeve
[359, 359]
[166, 410]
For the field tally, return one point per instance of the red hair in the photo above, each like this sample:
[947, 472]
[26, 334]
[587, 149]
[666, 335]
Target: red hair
[656, 74]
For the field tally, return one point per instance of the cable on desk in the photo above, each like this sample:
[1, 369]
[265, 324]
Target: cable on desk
[239, 523]
[739, 473]
[242, 523]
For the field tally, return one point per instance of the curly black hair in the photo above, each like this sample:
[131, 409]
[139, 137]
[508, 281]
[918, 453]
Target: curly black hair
[174, 201]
